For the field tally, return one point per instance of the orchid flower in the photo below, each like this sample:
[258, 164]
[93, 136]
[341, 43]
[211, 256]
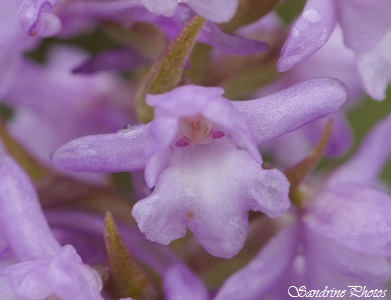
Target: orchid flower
[196, 128]
[344, 228]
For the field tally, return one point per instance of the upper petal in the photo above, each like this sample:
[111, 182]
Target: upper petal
[364, 23]
[121, 151]
[271, 116]
[369, 160]
[309, 33]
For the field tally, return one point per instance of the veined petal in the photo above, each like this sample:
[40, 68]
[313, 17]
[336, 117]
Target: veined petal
[364, 23]
[271, 116]
[180, 283]
[121, 151]
[354, 216]
[216, 185]
[265, 270]
[368, 162]
[309, 33]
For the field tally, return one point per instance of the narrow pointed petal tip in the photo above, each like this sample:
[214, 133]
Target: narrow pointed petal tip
[116, 152]
[309, 33]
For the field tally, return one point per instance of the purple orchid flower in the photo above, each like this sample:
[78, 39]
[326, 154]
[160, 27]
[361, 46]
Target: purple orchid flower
[43, 268]
[196, 128]
[53, 105]
[343, 232]
[363, 24]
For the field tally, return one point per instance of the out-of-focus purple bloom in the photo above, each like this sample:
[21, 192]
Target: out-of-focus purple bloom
[121, 59]
[84, 231]
[351, 215]
[345, 224]
[265, 270]
[363, 26]
[76, 16]
[374, 67]
[196, 128]
[53, 105]
[332, 60]
[43, 267]
[180, 283]
[218, 11]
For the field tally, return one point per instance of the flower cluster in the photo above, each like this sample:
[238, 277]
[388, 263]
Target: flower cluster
[170, 149]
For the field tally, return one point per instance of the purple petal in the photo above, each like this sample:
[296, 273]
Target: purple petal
[113, 60]
[91, 226]
[7, 291]
[121, 151]
[374, 67]
[332, 265]
[354, 216]
[265, 270]
[309, 33]
[204, 197]
[180, 283]
[368, 162]
[341, 138]
[311, 100]
[63, 274]
[218, 11]
[30, 238]
[189, 101]
[37, 18]
[166, 8]
[364, 23]
[228, 43]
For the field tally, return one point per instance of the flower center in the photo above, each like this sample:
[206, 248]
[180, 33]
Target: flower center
[197, 130]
